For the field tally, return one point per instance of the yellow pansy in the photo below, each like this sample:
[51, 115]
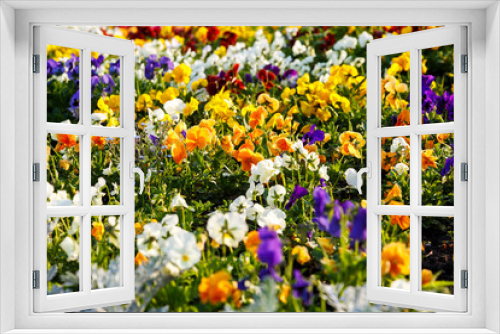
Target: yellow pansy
[181, 74]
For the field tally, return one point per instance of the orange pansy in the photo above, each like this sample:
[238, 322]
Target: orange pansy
[428, 160]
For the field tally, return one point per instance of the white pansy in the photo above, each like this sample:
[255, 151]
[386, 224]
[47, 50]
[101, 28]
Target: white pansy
[364, 38]
[298, 48]
[174, 108]
[148, 241]
[298, 146]
[291, 32]
[70, 247]
[181, 249]
[240, 204]
[254, 212]
[178, 201]
[75, 226]
[401, 168]
[98, 118]
[60, 198]
[50, 190]
[101, 182]
[256, 189]
[264, 170]
[399, 143]
[273, 218]
[227, 229]
[76, 199]
[152, 230]
[156, 115]
[347, 42]
[313, 161]
[401, 284]
[276, 193]
[109, 170]
[323, 173]
[170, 227]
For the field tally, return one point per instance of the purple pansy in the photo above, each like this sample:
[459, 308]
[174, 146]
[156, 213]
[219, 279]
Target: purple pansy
[298, 193]
[151, 65]
[54, 67]
[248, 78]
[321, 200]
[358, 230]
[114, 68]
[73, 67]
[166, 64]
[109, 83]
[269, 250]
[301, 288]
[74, 105]
[450, 162]
[272, 68]
[313, 136]
[154, 139]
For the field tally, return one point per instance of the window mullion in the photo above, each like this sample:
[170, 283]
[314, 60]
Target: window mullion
[415, 183]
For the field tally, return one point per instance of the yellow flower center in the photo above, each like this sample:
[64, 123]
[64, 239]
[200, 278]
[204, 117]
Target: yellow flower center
[185, 258]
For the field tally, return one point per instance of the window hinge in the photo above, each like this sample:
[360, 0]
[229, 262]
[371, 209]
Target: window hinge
[36, 172]
[464, 171]
[36, 279]
[465, 279]
[465, 64]
[36, 63]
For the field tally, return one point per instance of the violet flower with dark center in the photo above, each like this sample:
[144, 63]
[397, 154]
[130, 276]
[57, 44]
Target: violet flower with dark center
[154, 139]
[298, 193]
[109, 83]
[54, 67]
[313, 136]
[73, 67]
[301, 288]
[166, 64]
[74, 105]
[358, 230]
[96, 62]
[114, 68]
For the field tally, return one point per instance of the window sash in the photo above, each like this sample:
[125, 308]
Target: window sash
[413, 298]
[86, 297]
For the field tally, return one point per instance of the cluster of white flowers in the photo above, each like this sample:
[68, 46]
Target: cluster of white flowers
[179, 246]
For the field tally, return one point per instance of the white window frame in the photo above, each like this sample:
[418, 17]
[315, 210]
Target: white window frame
[86, 297]
[415, 43]
[484, 48]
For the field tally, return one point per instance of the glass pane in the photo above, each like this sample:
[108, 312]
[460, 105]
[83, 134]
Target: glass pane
[437, 169]
[63, 84]
[105, 83]
[395, 259]
[437, 85]
[395, 170]
[63, 169]
[395, 88]
[63, 250]
[105, 252]
[437, 254]
[105, 187]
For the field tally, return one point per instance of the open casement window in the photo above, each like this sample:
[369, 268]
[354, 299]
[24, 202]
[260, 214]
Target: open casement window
[407, 193]
[84, 207]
